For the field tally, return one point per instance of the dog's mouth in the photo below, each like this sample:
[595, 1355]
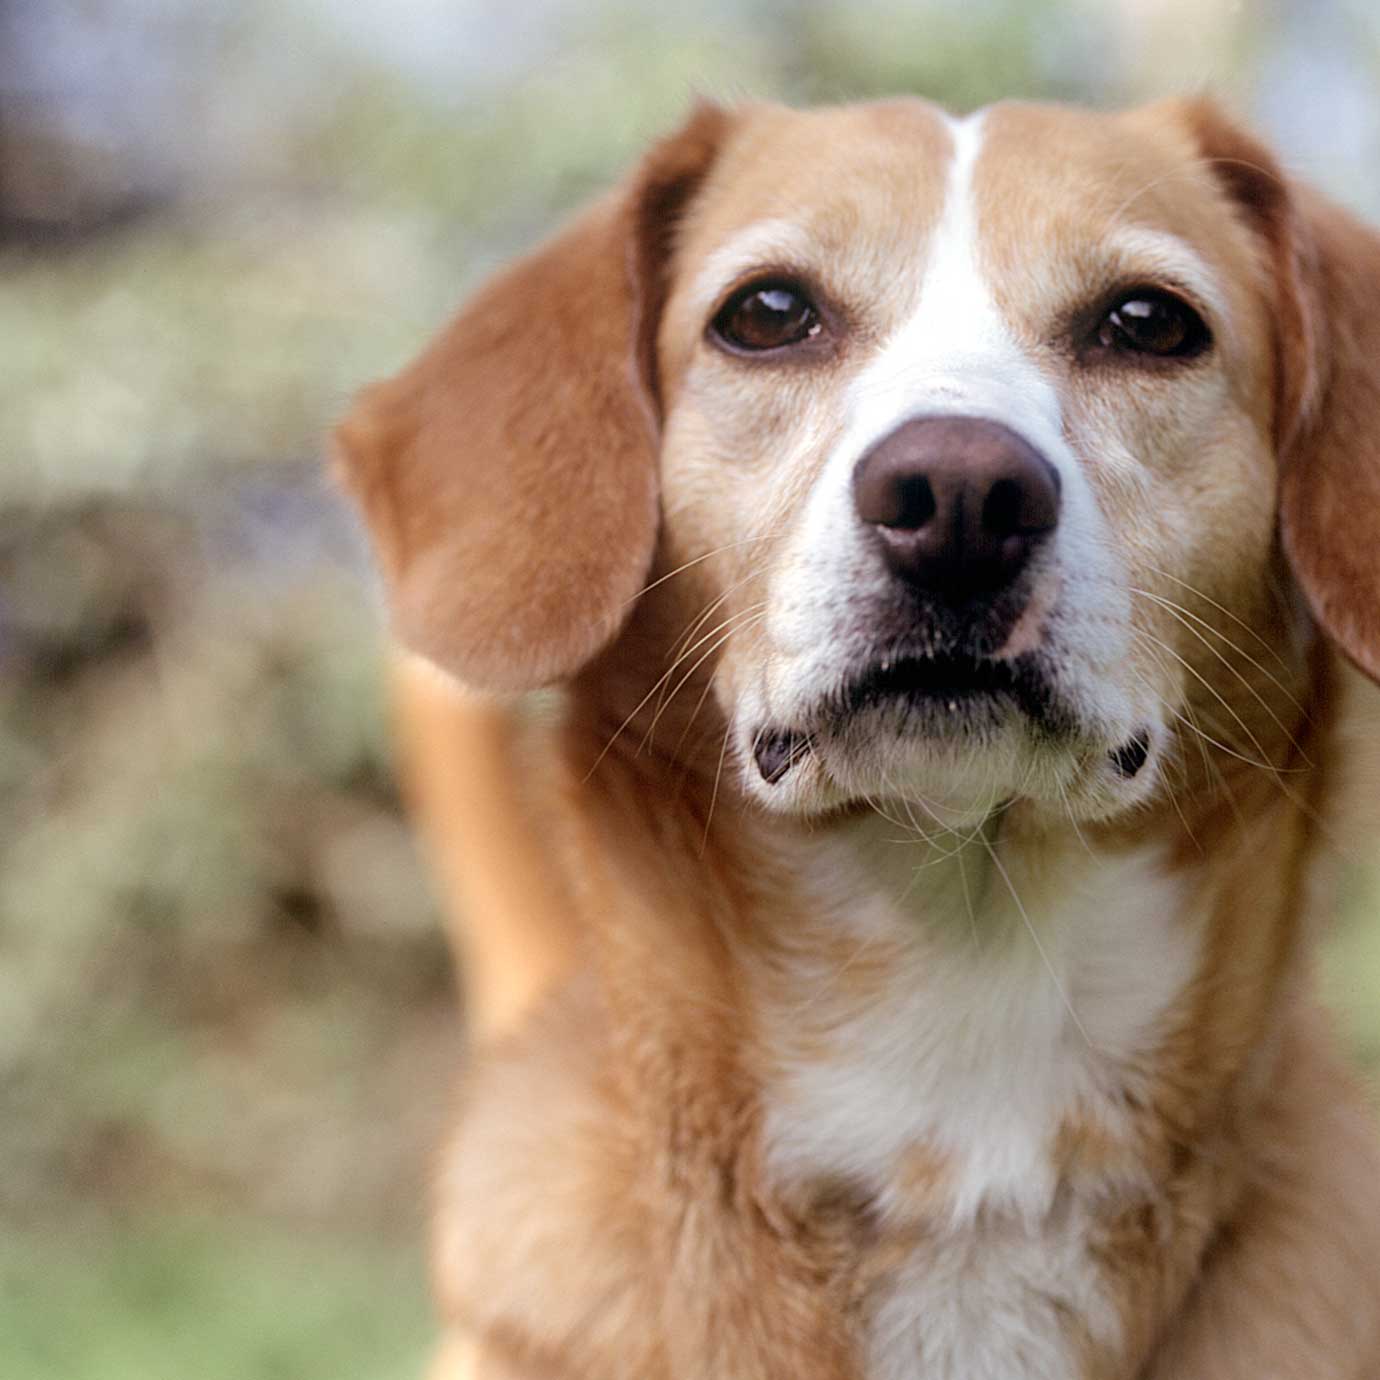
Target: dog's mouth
[943, 697]
[951, 681]
[949, 694]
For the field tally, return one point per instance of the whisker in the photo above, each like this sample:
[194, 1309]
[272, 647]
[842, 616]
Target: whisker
[1265, 765]
[1182, 614]
[726, 631]
[678, 648]
[968, 904]
[696, 623]
[1200, 739]
[1035, 938]
[714, 794]
[1264, 704]
[697, 560]
[1222, 608]
[657, 685]
[1073, 819]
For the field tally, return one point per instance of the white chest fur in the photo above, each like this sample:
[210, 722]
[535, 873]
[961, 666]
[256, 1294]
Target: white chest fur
[1006, 996]
[990, 1305]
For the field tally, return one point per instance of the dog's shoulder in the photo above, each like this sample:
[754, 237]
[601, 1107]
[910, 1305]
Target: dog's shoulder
[1291, 1282]
[541, 1236]
[576, 1205]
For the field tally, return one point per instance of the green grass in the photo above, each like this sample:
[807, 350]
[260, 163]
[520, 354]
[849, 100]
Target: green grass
[201, 1298]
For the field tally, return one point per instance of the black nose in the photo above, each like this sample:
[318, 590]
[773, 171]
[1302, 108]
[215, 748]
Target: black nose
[957, 503]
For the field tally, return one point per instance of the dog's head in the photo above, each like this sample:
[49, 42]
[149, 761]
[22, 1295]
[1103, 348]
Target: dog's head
[975, 460]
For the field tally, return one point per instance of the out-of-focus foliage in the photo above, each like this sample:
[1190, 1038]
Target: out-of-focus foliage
[226, 1025]
[189, 1298]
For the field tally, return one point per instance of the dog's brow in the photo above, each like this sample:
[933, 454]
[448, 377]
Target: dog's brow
[1159, 254]
[775, 243]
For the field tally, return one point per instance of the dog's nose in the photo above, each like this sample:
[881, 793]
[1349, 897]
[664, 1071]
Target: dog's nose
[957, 503]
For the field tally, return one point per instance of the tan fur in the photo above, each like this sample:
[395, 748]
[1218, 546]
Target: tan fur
[460, 754]
[634, 929]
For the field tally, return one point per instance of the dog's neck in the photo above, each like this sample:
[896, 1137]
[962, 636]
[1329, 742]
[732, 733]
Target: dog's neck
[1007, 1041]
[1030, 1050]
[946, 1016]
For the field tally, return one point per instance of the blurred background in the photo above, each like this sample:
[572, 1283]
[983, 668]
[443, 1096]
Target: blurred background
[227, 1025]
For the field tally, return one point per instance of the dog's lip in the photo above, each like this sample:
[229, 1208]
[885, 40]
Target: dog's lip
[945, 694]
[942, 678]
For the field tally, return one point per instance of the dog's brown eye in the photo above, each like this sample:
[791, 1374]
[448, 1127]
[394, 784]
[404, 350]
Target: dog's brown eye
[1151, 322]
[767, 316]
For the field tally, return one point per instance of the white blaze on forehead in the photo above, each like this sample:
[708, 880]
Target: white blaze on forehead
[955, 354]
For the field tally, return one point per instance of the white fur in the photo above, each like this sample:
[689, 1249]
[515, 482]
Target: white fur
[989, 1308]
[1018, 1000]
[1004, 1018]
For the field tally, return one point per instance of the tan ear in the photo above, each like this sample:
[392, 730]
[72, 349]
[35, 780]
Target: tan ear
[1330, 485]
[1325, 266]
[508, 475]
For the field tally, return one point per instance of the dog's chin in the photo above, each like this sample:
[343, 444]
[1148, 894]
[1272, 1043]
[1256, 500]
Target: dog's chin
[945, 777]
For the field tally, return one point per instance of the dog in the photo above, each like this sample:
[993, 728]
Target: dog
[889, 946]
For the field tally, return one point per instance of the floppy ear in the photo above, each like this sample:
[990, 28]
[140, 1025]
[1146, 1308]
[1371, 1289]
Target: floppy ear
[508, 475]
[1330, 485]
[1326, 270]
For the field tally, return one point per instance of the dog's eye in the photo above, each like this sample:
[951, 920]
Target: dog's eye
[767, 316]
[1150, 321]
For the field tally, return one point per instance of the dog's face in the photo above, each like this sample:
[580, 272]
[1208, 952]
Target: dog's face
[951, 398]
[968, 435]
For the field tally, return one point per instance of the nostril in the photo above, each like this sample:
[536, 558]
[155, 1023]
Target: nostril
[1001, 513]
[913, 503]
[1022, 506]
[889, 491]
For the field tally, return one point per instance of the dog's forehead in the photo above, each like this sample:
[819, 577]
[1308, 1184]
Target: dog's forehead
[863, 187]
[1100, 193]
[838, 174]
[1042, 167]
